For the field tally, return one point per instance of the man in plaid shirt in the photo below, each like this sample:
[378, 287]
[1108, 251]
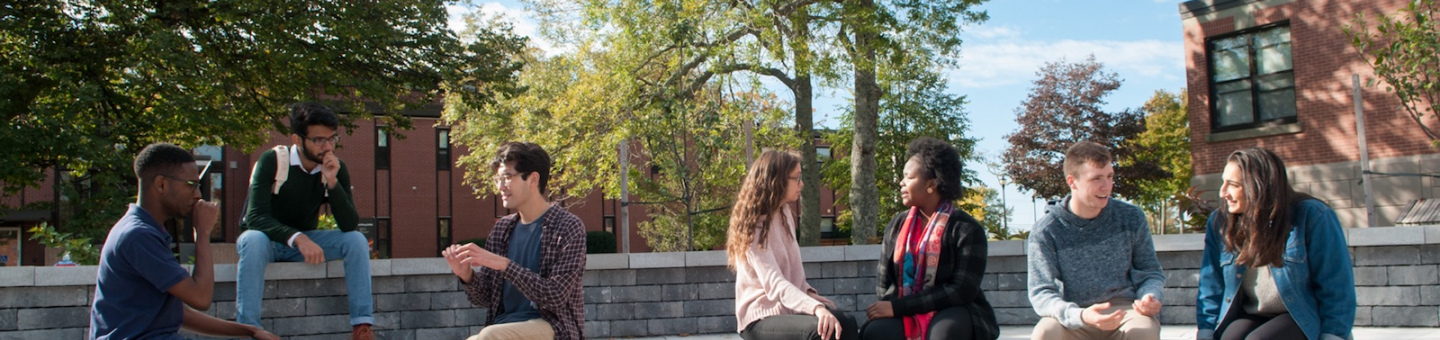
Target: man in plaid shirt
[531, 264]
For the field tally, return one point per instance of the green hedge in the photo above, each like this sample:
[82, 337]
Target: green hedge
[477, 241]
[599, 242]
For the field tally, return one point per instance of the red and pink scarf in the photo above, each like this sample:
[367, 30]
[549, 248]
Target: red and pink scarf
[916, 263]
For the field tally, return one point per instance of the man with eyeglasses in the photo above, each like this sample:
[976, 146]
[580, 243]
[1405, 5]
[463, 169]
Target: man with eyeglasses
[288, 188]
[141, 290]
[532, 263]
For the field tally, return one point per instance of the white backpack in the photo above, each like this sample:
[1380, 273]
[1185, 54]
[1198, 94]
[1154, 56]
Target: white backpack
[282, 172]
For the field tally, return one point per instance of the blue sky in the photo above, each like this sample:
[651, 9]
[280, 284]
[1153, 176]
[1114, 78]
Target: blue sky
[1141, 40]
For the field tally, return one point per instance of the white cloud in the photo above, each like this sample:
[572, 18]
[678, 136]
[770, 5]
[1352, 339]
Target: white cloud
[519, 19]
[984, 65]
[991, 32]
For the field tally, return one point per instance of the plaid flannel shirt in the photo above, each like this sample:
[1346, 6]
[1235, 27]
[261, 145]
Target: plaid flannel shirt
[556, 289]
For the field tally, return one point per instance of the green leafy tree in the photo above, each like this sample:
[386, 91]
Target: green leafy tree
[1063, 108]
[1402, 47]
[667, 51]
[85, 85]
[903, 36]
[688, 145]
[983, 203]
[1166, 143]
[81, 249]
[797, 44]
[913, 108]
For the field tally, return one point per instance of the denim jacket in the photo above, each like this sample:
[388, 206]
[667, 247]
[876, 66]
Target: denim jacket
[1317, 282]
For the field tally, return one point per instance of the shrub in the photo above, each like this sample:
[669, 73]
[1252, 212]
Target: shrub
[599, 242]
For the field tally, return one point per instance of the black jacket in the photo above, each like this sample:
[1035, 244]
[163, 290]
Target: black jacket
[958, 276]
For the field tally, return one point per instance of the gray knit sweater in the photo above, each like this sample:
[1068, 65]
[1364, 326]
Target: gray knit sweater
[1074, 262]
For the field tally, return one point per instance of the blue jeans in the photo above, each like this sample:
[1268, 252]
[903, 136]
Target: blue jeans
[256, 251]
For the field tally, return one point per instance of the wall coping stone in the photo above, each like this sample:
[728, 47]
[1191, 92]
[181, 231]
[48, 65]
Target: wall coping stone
[1006, 248]
[22, 276]
[65, 276]
[825, 254]
[607, 261]
[414, 266]
[862, 252]
[656, 260]
[711, 258]
[1179, 242]
[85, 275]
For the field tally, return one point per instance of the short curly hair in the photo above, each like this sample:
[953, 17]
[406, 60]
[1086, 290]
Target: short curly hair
[941, 162]
[160, 159]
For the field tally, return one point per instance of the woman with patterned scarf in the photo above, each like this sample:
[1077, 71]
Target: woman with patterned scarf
[933, 257]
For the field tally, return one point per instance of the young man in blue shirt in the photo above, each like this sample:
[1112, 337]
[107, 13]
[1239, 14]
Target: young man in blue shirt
[532, 265]
[142, 291]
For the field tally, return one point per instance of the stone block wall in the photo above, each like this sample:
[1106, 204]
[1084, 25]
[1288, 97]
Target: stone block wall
[1397, 281]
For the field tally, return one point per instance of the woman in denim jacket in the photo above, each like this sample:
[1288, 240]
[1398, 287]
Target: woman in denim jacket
[1276, 264]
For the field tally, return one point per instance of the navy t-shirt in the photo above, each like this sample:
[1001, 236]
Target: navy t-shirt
[524, 250]
[136, 272]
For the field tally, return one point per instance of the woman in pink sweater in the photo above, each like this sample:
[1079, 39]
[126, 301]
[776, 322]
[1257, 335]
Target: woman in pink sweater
[772, 299]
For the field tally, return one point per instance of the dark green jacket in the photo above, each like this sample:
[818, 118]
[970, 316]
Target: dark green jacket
[297, 207]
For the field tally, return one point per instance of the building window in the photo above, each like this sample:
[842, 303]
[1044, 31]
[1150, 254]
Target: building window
[442, 149]
[609, 210]
[822, 154]
[212, 184]
[442, 231]
[827, 226]
[382, 148]
[1252, 79]
[381, 248]
[10, 243]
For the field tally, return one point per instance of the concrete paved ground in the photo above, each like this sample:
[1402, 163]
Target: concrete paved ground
[1182, 332]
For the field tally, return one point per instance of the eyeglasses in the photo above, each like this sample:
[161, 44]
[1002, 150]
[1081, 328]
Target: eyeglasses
[333, 139]
[503, 180]
[194, 184]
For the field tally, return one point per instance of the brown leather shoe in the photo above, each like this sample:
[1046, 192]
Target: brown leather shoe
[362, 332]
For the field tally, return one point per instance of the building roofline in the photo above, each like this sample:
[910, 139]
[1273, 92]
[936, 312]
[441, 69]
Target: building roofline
[1196, 8]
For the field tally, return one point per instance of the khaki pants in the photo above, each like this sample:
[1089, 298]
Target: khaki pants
[534, 329]
[1134, 327]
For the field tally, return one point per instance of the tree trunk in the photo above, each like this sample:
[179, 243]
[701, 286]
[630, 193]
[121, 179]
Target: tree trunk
[864, 195]
[809, 233]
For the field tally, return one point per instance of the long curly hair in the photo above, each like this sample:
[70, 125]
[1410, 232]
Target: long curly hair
[1259, 232]
[761, 195]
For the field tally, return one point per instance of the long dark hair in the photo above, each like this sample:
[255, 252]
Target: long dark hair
[1259, 232]
[761, 195]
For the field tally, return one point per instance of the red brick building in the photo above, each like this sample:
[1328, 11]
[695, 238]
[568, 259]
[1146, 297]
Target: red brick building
[410, 195]
[1277, 74]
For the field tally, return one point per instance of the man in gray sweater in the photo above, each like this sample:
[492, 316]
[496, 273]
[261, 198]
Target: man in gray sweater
[1093, 273]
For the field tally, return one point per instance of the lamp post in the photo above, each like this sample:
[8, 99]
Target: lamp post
[1004, 205]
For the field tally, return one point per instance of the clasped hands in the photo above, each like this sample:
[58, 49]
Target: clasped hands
[1095, 316]
[462, 257]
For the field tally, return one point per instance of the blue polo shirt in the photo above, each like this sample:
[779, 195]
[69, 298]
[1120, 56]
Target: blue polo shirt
[136, 272]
